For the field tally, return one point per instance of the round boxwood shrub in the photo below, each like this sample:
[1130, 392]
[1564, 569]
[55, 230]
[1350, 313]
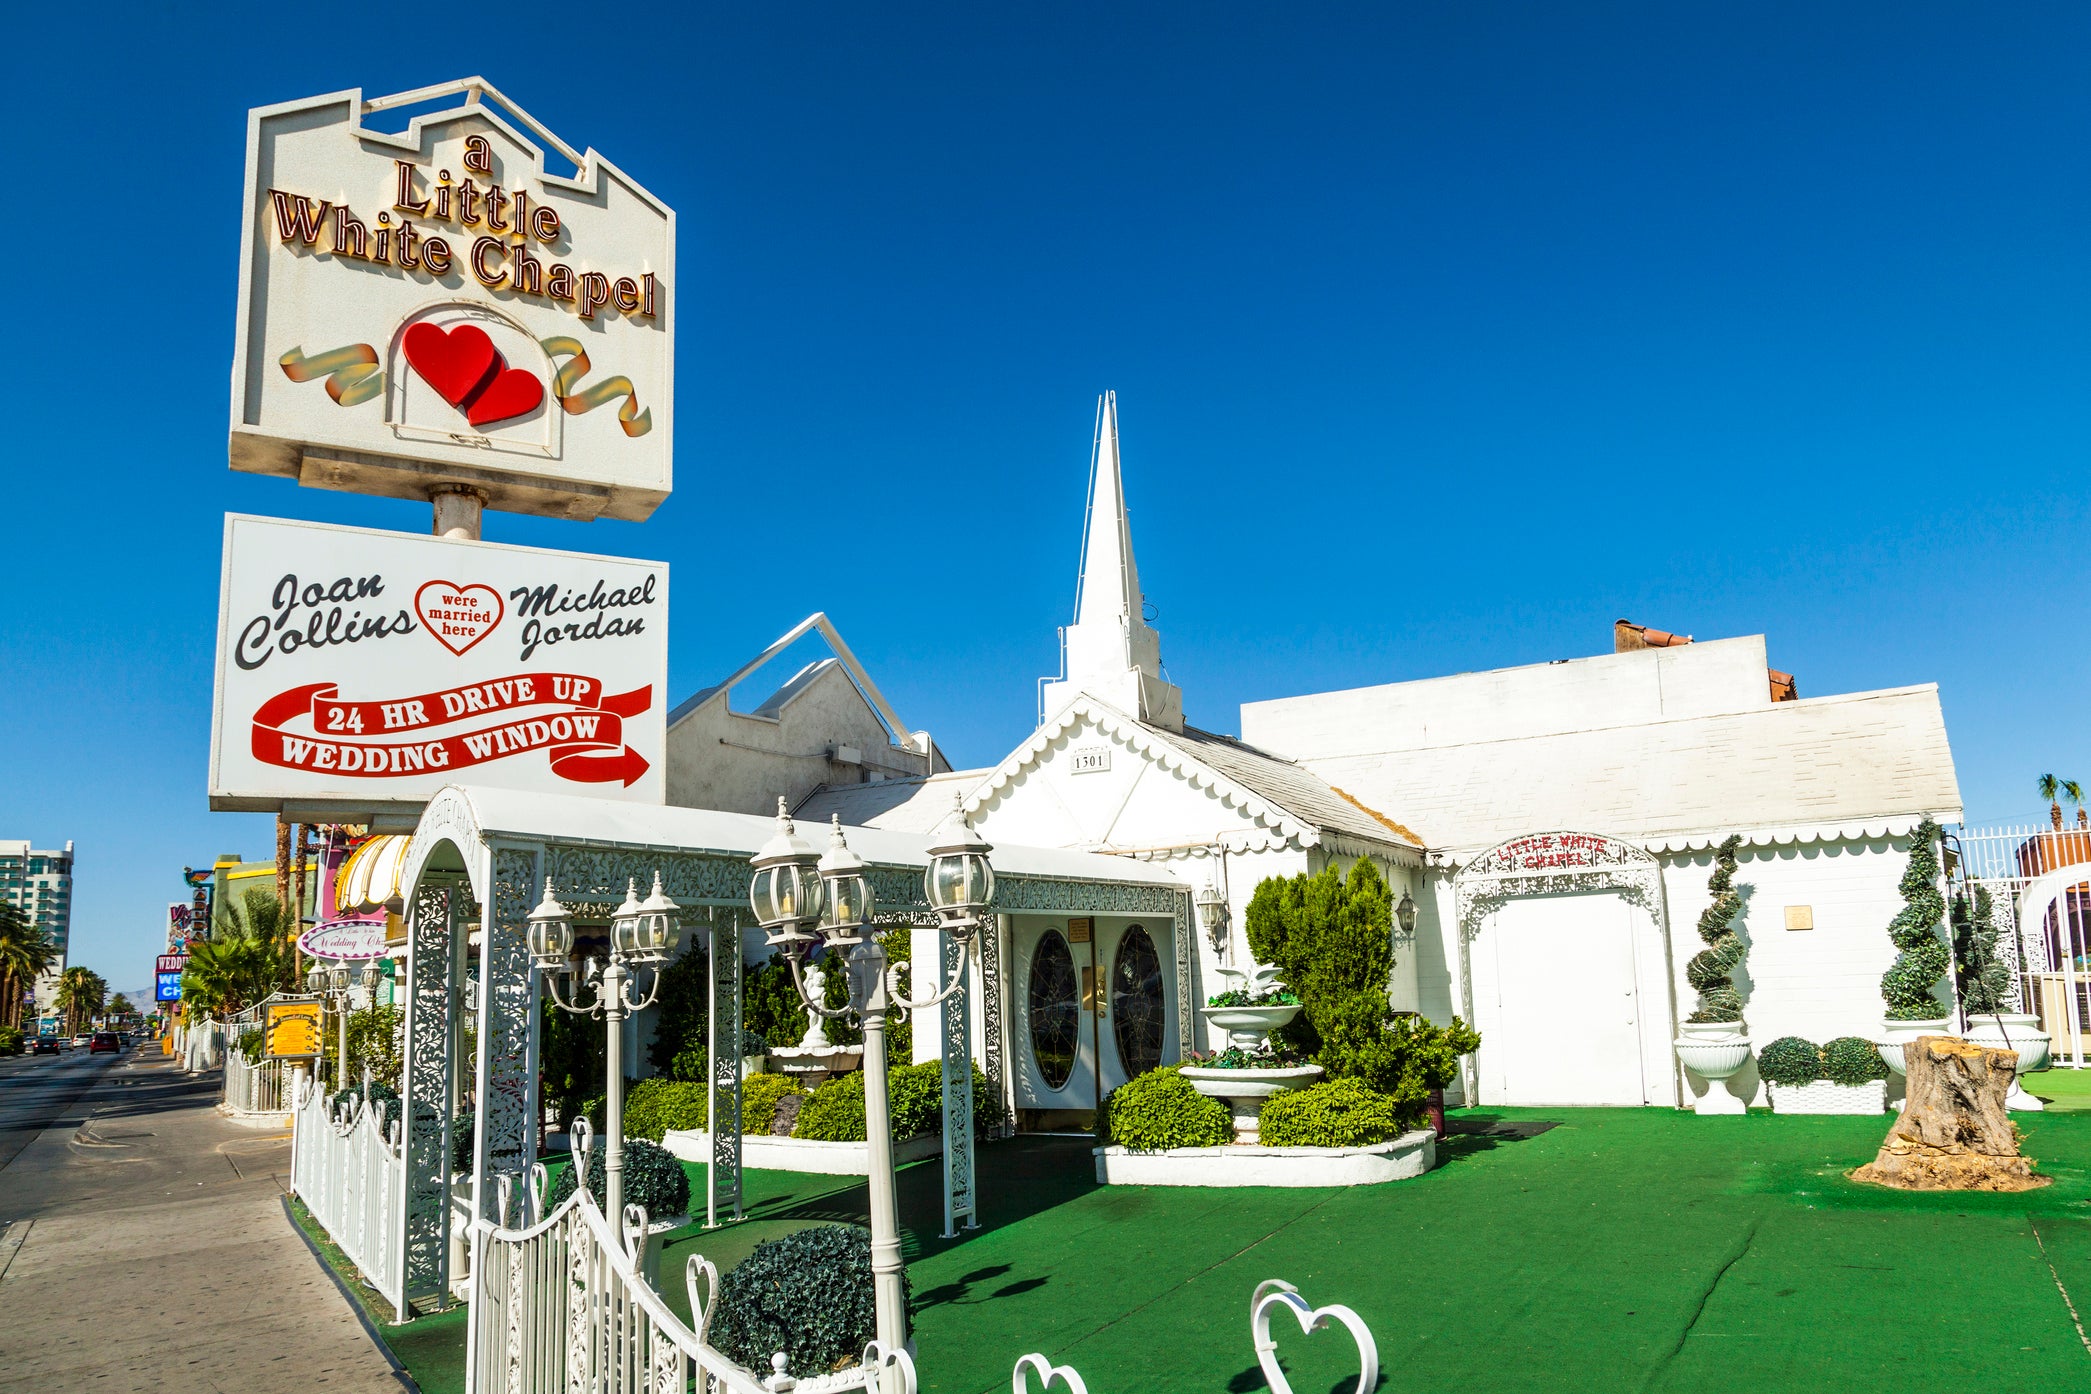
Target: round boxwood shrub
[1160, 1110]
[652, 1178]
[1336, 1113]
[1791, 1061]
[1852, 1060]
[808, 1294]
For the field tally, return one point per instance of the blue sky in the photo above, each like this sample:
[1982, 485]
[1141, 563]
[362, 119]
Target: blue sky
[1444, 335]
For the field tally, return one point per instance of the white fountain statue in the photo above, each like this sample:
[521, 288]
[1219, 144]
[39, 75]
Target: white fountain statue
[1243, 1087]
[813, 1059]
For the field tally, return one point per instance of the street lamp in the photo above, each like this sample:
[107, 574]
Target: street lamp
[642, 935]
[805, 902]
[330, 981]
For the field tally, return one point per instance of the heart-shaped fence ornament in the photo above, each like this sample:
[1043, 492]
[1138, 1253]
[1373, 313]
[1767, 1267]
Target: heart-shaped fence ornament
[1276, 1294]
[540, 1187]
[702, 1299]
[634, 1224]
[1048, 1372]
[901, 1380]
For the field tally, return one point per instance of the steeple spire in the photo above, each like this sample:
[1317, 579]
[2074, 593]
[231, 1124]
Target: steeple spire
[1110, 651]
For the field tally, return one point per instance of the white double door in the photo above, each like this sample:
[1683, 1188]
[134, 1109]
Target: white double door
[1560, 1003]
[1091, 1006]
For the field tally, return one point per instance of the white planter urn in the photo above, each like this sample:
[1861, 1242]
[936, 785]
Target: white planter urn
[1897, 1034]
[2019, 1031]
[1248, 1027]
[1714, 1051]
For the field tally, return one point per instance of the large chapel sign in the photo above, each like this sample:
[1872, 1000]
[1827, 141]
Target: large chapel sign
[360, 668]
[1553, 863]
[438, 308]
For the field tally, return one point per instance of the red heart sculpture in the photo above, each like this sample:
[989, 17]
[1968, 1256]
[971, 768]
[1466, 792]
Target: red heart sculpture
[455, 362]
[513, 392]
[458, 616]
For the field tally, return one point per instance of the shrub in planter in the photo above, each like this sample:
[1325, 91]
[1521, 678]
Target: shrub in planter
[1160, 1110]
[1790, 1061]
[1337, 1113]
[1923, 959]
[1852, 1060]
[808, 1294]
[652, 1178]
[1710, 968]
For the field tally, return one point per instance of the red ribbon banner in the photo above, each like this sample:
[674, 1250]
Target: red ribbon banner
[583, 739]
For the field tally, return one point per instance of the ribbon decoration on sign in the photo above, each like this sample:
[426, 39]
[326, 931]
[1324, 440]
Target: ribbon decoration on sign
[584, 739]
[351, 372]
[634, 421]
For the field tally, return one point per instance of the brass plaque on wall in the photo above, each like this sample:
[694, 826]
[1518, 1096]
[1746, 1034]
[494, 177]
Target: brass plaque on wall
[1078, 931]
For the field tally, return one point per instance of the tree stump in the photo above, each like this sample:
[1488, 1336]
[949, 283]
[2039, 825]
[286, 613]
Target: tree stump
[1954, 1134]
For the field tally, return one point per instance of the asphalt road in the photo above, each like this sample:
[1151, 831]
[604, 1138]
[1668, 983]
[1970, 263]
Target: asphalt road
[36, 1091]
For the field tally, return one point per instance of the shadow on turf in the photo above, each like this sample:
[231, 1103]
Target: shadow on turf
[1469, 1134]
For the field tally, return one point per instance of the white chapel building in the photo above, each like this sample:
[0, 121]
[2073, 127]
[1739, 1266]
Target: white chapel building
[1555, 825]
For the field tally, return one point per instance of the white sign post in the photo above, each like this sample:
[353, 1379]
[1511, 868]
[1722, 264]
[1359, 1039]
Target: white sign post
[435, 311]
[360, 669]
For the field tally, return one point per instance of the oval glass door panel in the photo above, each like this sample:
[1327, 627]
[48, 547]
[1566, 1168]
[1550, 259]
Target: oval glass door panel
[1056, 1014]
[1137, 1007]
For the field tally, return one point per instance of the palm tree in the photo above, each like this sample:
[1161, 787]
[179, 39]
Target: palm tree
[120, 1006]
[81, 993]
[2055, 791]
[25, 953]
[242, 962]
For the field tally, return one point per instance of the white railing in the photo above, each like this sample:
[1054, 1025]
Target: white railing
[348, 1169]
[1271, 1297]
[262, 1088]
[561, 1305]
[2048, 960]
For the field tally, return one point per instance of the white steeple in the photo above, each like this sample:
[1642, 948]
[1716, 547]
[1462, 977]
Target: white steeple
[1110, 651]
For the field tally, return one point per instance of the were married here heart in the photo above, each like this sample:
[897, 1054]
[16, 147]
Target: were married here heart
[458, 616]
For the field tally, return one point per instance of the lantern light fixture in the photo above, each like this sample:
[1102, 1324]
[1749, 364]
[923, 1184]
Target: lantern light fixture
[960, 882]
[316, 978]
[1212, 906]
[658, 931]
[786, 891]
[551, 934]
[847, 901]
[1405, 913]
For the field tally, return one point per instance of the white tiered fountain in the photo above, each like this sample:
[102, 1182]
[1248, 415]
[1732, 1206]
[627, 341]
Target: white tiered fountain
[1244, 1088]
[814, 1060]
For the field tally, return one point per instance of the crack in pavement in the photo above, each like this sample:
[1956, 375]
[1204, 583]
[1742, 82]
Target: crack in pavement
[1705, 1296]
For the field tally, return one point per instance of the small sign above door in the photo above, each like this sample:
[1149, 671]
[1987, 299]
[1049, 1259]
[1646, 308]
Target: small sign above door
[1089, 759]
[1078, 931]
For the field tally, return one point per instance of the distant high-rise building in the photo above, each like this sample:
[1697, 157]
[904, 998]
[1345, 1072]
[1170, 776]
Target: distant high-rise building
[41, 884]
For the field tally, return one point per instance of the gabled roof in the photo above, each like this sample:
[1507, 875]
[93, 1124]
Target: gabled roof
[894, 805]
[1285, 797]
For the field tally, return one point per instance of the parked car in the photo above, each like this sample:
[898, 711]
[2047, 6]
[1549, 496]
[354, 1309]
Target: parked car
[82, 1039]
[104, 1042]
[45, 1045]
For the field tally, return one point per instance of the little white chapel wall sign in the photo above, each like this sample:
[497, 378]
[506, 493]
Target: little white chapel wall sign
[438, 307]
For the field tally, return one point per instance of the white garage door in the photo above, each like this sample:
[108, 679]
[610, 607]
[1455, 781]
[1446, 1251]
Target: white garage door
[1561, 1022]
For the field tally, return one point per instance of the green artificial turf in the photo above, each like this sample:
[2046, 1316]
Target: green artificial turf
[2064, 1089]
[1620, 1249]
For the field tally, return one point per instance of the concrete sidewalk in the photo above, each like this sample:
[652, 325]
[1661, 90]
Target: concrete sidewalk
[149, 1250]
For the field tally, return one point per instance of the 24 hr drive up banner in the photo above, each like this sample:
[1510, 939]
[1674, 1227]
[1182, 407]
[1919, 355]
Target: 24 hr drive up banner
[371, 668]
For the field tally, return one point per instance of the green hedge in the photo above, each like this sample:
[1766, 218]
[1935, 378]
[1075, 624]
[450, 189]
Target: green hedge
[1790, 1061]
[760, 1095]
[1160, 1110]
[808, 1294]
[1853, 1060]
[654, 1106]
[834, 1112]
[1336, 1113]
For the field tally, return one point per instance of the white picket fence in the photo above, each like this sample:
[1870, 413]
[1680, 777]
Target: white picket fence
[262, 1088]
[351, 1174]
[561, 1305]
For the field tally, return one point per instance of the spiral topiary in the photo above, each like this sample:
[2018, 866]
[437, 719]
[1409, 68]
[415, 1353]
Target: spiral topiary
[1985, 979]
[1709, 969]
[1923, 959]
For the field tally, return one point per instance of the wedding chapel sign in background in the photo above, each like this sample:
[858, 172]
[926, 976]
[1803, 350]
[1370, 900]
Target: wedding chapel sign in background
[359, 668]
[437, 308]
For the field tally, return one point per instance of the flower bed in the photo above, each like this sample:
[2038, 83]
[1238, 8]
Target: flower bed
[1397, 1159]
